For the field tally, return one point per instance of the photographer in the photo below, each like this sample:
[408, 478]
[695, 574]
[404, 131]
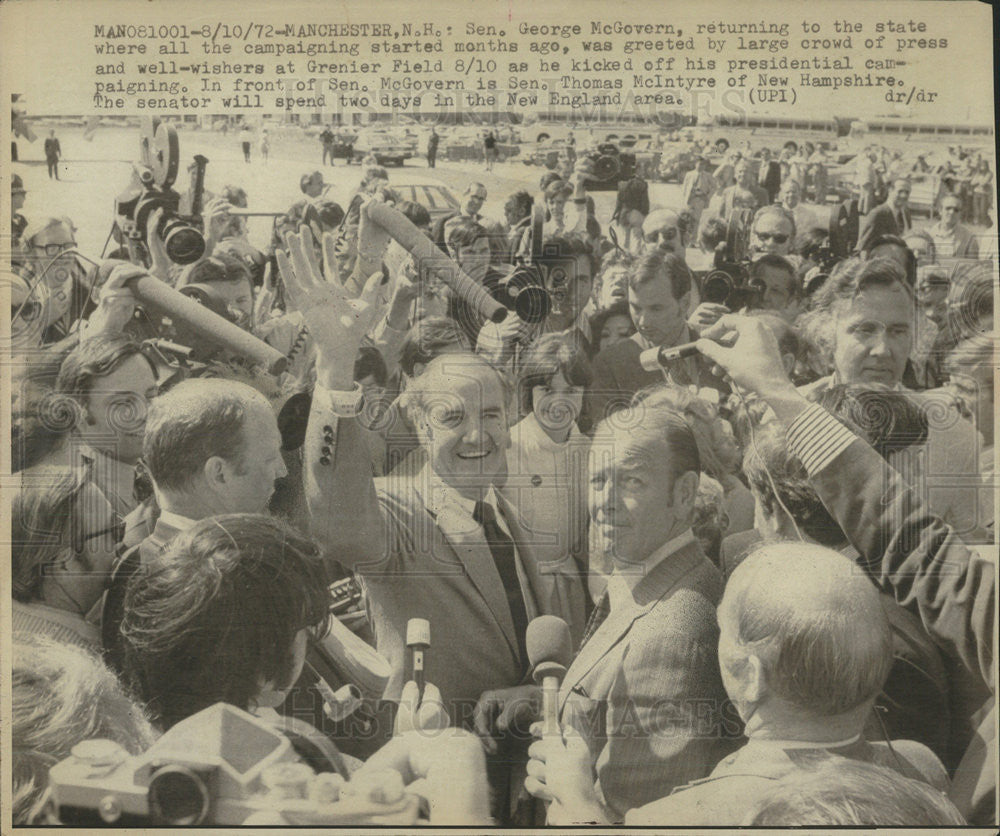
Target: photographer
[56, 281]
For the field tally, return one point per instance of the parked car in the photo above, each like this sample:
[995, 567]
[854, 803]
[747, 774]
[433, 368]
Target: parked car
[388, 147]
[435, 197]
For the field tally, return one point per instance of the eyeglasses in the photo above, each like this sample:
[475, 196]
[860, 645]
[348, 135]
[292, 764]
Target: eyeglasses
[777, 237]
[949, 208]
[52, 250]
[667, 234]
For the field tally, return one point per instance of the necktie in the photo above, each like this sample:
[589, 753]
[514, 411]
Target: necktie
[502, 549]
[597, 617]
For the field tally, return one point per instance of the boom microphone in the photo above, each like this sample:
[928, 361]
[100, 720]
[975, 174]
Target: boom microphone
[550, 651]
[182, 309]
[422, 248]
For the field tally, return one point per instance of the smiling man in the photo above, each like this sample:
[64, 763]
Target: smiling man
[442, 544]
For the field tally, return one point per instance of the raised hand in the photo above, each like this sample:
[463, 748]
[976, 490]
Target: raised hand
[583, 170]
[336, 322]
[115, 305]
[753, 362]
[705, 316]
[504, 710]
[425, 714]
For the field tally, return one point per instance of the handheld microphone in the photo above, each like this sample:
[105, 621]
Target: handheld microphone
[418, 640]
[659, 357]
[550, 651]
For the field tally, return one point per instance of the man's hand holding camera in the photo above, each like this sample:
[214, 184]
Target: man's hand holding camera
[115, 304]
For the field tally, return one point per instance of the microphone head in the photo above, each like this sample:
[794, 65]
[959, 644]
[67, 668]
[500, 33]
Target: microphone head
[649, 359]
[549, 646]
[418, 631]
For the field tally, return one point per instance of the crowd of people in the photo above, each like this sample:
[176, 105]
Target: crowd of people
[763, 544]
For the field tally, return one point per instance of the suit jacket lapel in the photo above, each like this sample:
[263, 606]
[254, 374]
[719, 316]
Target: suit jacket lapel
[649, 592]
[465, 538]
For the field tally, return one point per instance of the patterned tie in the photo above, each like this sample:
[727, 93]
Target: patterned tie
[502, 549]
[597, 617]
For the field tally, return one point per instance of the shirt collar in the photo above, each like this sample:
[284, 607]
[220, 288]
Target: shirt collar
[530, 429]
[621, 585]
[803, 744]
[181, 523]
[443, 495]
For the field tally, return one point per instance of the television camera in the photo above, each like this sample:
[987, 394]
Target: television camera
[729, 281]
[180, 227]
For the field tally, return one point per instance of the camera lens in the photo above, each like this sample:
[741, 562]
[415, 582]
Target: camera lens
[178, 796]
[532, 304]
[718, 286]
[184, 244]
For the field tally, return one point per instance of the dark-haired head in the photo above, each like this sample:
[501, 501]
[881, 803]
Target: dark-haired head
[550, 356]
[217, 617]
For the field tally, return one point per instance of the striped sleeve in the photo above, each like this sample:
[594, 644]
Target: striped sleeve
[817, 438]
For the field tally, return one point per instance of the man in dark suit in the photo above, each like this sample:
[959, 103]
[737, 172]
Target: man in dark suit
[659, 288]
[441, 544]
[902, 547]
[769, 174]
[53, 153]
[804, 648]
[211, 447]
[644, 691]
[889, 218]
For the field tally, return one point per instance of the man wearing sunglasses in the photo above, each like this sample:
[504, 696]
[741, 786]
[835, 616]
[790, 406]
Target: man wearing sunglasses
[772, 232]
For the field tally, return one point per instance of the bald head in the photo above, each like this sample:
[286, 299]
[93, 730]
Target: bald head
[814, 621]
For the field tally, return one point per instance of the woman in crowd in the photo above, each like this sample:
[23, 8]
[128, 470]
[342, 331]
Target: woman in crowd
[612, 324]
[547, 462]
